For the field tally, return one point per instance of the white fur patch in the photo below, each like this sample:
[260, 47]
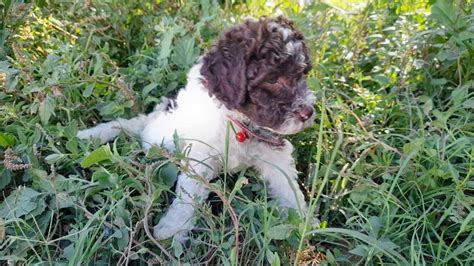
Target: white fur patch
[285, 32]
[294, 47]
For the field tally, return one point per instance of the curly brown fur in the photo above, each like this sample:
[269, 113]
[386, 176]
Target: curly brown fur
[257, 68]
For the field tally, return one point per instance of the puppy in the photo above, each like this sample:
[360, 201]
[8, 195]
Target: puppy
[252, 81]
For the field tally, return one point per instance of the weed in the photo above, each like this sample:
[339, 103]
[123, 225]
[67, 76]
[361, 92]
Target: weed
[388, 164]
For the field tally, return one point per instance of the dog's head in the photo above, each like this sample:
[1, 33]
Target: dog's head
[258, 68]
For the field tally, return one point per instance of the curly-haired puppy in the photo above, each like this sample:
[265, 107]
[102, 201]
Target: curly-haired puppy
[253, 78]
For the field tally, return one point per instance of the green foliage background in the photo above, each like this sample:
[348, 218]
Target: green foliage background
[389, 162]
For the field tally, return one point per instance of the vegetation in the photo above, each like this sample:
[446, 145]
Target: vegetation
[389, 162]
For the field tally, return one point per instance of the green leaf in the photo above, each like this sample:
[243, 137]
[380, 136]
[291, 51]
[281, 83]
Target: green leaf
[70, 130]
[52, 158]
[122, 214]
[44, 220]
[46, 109]
[167, 41]
[205, 7]
[98, 66]
[22, 201]
[169, 173]
[273, 258]
[459, 95]
[41, 180]
[89, 89]
[466, 35]
[281, 231]
[105, 178]
[69, 251]
[41, 3]
[319, 6]
[5, 178]
[427, 107]
[101, 154]
[375, 224]
[381, 80]
[171, 87]
[64, 200]
[238, 185]
[124, 238]
[438, 82]
[177, 249]
[450, 55]
[233, 257]
[108, 108]
[6, 140]
[448, 14]
[413, 147]
[133, 183]
[185, 52]
[469, 104]
[330, 257]
[360, 250]
[148, 88]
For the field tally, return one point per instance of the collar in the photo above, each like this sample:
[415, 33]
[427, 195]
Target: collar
[248, 130]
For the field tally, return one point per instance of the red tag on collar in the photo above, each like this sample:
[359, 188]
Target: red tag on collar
[241, 136]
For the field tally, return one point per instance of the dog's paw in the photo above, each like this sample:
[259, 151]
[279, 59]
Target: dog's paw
[165, 229]
[83, 134]
[104, 131]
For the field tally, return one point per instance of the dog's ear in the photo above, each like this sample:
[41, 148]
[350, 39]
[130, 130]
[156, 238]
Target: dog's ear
[225, 67]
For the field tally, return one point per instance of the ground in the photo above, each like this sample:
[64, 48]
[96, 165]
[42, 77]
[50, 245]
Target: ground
[388, 163]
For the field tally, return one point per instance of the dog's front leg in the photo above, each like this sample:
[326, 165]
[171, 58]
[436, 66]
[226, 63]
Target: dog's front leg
[278, 170]
[283, 186]
[179, 218]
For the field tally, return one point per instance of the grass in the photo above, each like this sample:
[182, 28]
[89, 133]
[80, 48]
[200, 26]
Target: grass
[389, 161]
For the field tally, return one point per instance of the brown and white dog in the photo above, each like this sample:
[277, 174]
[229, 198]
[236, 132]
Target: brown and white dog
[253, 78]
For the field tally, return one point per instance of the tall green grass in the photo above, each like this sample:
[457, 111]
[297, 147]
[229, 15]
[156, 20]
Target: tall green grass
[388, 163]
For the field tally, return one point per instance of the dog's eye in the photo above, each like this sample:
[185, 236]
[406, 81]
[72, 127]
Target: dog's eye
[273, 80]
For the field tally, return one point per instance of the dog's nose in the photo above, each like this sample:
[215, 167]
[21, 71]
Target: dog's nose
[304, 112]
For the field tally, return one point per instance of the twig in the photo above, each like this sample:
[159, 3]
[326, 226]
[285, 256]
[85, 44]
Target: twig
[132, 235]
[233, 217]
[90, 215]
[150, 236]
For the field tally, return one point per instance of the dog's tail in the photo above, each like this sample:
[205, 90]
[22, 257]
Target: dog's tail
[110, 130]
